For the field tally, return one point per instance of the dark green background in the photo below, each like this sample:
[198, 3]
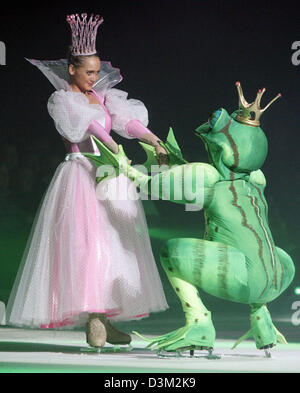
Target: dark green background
[182, 60]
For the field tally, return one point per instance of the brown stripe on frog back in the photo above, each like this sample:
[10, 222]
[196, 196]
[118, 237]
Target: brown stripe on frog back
[247, 225]
[281, 280]
[262, 199]
[272, 243]
[222, 270]
[254, 204]
[233, 145]
[199, 258]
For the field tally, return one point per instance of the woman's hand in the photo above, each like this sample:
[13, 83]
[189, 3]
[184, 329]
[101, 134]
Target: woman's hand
[162, 155]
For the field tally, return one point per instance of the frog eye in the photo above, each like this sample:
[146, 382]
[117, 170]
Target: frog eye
[214, 117]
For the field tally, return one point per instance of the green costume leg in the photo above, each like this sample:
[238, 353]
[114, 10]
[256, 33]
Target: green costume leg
[287, 266]
[247, 267]
[199, 330]
[216, 268]
[262, 328]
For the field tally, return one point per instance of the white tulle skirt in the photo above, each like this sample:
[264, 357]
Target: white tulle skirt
[85, 255]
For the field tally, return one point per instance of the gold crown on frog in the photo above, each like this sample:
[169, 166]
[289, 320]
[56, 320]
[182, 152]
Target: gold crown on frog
[250, 113]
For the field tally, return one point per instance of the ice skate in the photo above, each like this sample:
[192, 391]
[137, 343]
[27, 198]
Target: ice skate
[120, 341]
[95, 332]
[115, 336]
[190, 338]
[191, 352]
[262, 330]
[199, 333]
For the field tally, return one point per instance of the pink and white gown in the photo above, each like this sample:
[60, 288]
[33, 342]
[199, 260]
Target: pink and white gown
[85, 254]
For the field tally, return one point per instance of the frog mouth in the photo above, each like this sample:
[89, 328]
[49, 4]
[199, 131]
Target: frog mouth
[202, 137]
[203, 129]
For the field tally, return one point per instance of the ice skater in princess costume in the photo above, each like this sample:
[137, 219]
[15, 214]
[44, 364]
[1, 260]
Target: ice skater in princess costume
[88, 260]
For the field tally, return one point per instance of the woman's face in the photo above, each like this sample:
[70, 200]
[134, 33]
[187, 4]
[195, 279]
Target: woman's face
[86, 75]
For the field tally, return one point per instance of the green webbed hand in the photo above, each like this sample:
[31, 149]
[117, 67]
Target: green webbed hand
[119, 162]
[106, 157]
[183, 184]
[173, 149]
[171, 146]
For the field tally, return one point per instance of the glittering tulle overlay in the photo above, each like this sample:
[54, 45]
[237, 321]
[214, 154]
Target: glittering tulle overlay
[85, 254]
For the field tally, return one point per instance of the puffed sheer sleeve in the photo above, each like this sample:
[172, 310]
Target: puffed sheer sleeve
[122, 110]
[72, 114]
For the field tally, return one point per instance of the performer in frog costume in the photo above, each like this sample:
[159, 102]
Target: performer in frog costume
[237, 260]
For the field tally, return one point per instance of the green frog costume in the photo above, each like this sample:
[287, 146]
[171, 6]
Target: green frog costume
[237, 259]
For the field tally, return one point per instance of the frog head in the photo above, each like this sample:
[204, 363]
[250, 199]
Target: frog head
[236, 144]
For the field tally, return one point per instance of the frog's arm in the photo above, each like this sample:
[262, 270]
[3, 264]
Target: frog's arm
[190, 183]
[187, 183]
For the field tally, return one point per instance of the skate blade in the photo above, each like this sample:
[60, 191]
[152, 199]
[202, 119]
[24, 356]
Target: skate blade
[188, 354]
[117, 348]
[267, 353]
[200, 354]
[108, 349]
[266, 349]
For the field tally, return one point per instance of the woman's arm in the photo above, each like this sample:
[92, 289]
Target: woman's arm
[99, 132]
[138, 130]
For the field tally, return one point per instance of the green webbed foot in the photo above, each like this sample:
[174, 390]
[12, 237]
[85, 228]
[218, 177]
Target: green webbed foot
[157, 340]
[262, 330]
[191, 336]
